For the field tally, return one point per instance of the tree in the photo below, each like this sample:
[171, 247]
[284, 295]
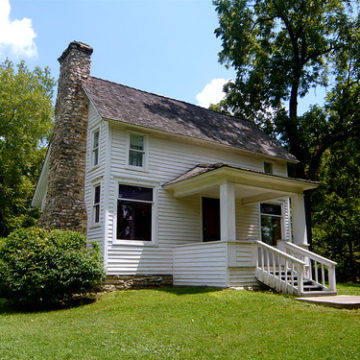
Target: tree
[26, 112]
[337, 209]
[280, 49]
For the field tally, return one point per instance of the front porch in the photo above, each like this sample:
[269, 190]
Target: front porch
[284, 263]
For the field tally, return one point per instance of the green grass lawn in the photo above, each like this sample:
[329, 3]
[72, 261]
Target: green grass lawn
[184, 323]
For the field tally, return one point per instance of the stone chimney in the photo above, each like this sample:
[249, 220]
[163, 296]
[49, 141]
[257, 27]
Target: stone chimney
[65, 205]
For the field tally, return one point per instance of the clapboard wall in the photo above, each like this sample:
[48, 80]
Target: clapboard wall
[178, 220]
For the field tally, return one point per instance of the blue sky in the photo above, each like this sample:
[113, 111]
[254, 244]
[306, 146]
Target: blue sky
[162, 46]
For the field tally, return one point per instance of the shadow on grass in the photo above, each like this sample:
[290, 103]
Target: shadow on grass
[188, 290]
[8, 307]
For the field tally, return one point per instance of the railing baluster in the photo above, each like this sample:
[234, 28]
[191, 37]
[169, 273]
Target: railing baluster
[290, 270]
[313, 269]
[332, 279]
[300, 279]
[274, 263]
[279, 267]
[263, 259]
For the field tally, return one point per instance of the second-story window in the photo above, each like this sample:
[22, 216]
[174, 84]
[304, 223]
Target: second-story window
[268, 168]
[137, 151]
[95, 148]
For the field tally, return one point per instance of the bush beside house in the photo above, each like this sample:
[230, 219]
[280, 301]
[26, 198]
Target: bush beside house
[45, 267]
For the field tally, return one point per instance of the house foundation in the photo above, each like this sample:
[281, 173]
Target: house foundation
[125, 282]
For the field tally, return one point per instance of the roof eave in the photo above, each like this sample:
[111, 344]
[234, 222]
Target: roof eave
[242, 177]
[197, 139]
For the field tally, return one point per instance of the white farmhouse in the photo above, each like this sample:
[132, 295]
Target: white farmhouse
[172, 192]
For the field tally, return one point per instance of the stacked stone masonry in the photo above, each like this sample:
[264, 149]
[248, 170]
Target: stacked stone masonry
[64, 205]
[123, 282]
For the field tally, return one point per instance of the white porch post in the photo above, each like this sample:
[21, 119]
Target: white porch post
[298, 219]
[227, 212]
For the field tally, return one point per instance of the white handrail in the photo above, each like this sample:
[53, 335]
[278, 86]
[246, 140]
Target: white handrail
[281, 253]
[311, 254]
[317, 259]
[280, 270]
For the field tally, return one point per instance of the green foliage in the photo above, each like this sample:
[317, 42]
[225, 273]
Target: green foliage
[26, 112]
[39, 266]
[280, 49]
[337, 209]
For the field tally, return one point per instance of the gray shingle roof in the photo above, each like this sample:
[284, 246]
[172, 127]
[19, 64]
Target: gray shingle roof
[122, 103]
[205, 168]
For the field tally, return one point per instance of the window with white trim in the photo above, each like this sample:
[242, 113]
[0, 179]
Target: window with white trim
[96, 204]
[268, 168]
[95, 147]
[134, 213]
[136, 150]
[271, 218]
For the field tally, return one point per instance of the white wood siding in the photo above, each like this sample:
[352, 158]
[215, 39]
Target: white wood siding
[242, 276]
[94, 175]
[221, 264]
[179, 220]
[247, 222]
[203, 264]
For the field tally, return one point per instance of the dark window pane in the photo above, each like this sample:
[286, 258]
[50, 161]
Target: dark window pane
[270, 229]
[270, 209]
[135, 193]
[97, 213]
[133, 221]
[267, 168]
[96, 156]
[136, 142]
[97, 195]
[135, 158]
[96, 140]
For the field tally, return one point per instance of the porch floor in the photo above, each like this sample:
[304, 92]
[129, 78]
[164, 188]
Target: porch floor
[338, 301]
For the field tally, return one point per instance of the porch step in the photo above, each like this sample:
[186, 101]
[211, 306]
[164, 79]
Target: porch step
[309, 286]
[283, 269]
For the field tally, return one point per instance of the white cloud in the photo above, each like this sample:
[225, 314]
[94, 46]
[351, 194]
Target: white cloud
[17, 36]
[212, 93]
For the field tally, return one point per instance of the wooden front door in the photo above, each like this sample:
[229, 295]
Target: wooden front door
[211, 219]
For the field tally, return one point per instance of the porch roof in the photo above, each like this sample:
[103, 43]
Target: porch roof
[258, 185]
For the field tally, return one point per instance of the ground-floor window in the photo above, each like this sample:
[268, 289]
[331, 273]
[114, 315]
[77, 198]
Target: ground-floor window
[271, 218]
[134, 213]
[96, 204]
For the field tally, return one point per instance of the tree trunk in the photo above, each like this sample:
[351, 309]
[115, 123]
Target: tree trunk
[291, 125]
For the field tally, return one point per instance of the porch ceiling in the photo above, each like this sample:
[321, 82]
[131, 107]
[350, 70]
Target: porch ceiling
[250, 186]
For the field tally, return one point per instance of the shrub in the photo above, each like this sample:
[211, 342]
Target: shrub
[39, 266]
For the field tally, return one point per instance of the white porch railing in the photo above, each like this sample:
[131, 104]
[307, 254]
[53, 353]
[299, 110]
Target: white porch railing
[280, 271]
[318, 269]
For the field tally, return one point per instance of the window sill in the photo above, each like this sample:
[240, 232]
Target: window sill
[94, 168]
[137, 168]
[134, 243]
[95, 226]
